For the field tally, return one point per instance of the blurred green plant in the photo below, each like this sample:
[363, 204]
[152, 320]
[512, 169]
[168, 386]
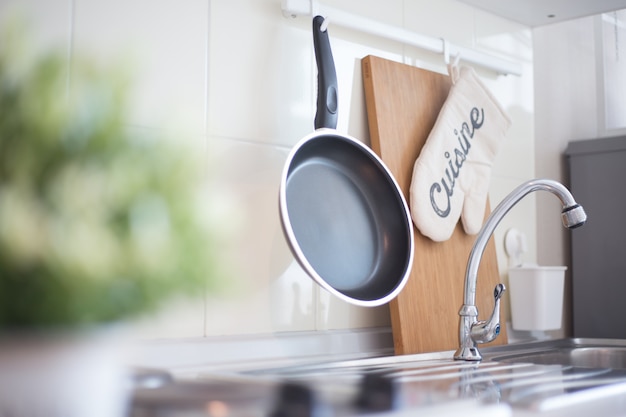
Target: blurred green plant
[96, 224]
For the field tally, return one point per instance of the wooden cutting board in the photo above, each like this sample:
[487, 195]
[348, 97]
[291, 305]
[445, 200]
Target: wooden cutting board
[403, 103]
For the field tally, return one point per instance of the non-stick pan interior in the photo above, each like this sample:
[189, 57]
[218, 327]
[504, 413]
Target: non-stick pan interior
[347, 218]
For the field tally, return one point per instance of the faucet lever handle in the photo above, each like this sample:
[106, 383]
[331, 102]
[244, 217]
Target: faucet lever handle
[484, 331]
[498, 291]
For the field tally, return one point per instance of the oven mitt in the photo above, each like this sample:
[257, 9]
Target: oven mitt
[451, 175]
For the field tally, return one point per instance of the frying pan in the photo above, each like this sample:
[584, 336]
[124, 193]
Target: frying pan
[343, 214]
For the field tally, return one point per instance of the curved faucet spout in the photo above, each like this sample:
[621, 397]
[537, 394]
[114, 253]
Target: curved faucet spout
[572, 216]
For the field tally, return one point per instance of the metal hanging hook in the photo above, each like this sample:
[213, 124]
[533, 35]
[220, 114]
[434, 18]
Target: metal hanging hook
[324, 25]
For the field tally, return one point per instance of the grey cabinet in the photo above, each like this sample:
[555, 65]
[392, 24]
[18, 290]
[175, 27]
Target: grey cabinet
[597, 170]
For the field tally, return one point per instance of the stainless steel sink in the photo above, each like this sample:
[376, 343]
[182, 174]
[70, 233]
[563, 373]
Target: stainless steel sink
[573, 377]
[583, 353]
[567, 377]
[584, 357]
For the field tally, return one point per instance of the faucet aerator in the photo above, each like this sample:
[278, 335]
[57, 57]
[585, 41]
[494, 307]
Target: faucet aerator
[576, 225]
[573, 216]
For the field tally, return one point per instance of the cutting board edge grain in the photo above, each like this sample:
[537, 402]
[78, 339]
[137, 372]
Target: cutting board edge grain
[402, 105]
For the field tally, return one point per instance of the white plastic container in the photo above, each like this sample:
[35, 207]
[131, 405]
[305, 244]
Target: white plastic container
[536, 294]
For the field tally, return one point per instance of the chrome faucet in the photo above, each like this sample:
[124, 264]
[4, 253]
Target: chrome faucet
[472, 331]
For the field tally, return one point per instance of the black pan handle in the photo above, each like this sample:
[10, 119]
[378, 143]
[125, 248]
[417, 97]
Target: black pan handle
[326, 115]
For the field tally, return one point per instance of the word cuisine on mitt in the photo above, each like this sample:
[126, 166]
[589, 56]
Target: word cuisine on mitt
[451, 175]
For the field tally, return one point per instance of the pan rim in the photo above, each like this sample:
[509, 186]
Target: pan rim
[292, 240]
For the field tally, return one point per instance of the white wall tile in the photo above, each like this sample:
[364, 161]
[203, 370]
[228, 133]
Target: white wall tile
[516, 158]
[48, 23]
[565, 84]
[260, 73]
[567, 103]
[441, 19]
[389, 12]
[347, 55]
[278, 95]
[333, 313]
[258, 101]
[259, 263]
[247, 177]
[262, 304]
[521, 217]
[165, 43]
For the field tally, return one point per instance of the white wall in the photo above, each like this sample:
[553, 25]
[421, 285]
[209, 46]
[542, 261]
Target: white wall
[565, 86]
[569, 102]
[238, 78]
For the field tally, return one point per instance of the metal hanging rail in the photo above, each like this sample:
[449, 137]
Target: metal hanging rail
[295, 8]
